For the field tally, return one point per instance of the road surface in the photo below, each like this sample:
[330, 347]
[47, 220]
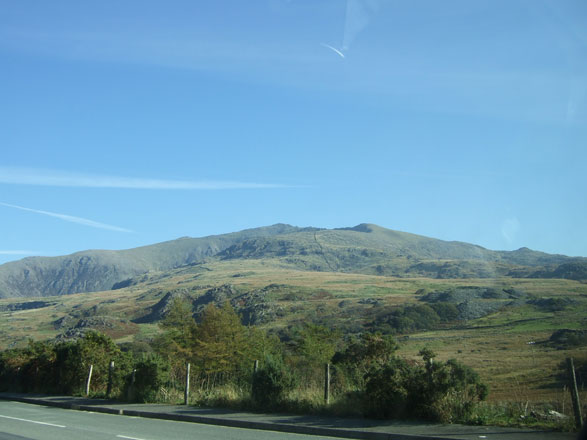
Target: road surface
[22, 421]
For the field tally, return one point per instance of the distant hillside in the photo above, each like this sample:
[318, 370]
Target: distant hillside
[365, 248]
[371, 249]
[95, 270]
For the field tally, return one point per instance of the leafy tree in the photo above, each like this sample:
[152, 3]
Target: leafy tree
[176, 343]
[260, 345]
[220, 345]
[179, 322]
[316, 344]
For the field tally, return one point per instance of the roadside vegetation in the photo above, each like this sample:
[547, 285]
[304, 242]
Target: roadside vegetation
[368, 375]
[513, 332]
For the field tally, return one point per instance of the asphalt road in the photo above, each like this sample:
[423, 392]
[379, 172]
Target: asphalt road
[22, 421]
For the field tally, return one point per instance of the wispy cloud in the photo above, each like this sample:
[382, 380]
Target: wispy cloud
[32, 176]
[70, 218]
[18, 252]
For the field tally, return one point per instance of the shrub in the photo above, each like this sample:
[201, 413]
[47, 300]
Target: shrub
[72, 360]
[150, 374]
[29, 369]
[272, 382]
[411, 318]
[387, 389]
[362, 354]
[447, 312]
[439, 391]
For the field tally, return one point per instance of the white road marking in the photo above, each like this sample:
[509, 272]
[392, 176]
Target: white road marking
[129, 438]
[32, 421]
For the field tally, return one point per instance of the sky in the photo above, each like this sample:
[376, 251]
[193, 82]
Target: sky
[129, 123]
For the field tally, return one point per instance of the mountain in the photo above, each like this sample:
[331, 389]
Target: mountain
[366, 248]
[96, 270]
[371, 249]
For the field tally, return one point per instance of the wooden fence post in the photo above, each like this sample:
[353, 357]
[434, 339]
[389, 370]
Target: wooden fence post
[186, 395]
[327, 384]
[131, 389]
[255, 369]
[574, 393]
[110, 377]
[88, 380]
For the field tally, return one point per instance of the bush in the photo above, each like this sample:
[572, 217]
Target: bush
[150, 374]
[29, 369]
[439, 391]
[360, 355]
[447, 312]
[411, 318]
[73, 358]
[387, 389]
[272, 382]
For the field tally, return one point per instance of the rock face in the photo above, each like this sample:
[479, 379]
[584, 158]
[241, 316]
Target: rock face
[161, 308]
[84, 272]
[217, 296]
[252, 306]
[29, 305]
[77, 328]
[475, 302]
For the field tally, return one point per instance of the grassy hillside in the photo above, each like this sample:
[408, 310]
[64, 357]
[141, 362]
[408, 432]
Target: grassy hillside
[371, 249]
[503, 326]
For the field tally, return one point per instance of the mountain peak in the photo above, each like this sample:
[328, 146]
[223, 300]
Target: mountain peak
[363, 227]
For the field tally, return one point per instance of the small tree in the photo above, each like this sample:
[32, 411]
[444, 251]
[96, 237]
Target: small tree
[179, 323]
[272, 382]
[220, 344]
[316, 344]
[176, 343]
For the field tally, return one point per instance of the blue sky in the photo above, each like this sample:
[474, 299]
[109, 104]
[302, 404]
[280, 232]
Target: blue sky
[129, 123]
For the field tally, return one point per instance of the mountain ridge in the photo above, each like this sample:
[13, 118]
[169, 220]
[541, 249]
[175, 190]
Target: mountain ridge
[364, 248]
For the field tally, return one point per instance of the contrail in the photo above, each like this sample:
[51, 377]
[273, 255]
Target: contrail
[70, 218]
[40, 177]
[333, 48]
